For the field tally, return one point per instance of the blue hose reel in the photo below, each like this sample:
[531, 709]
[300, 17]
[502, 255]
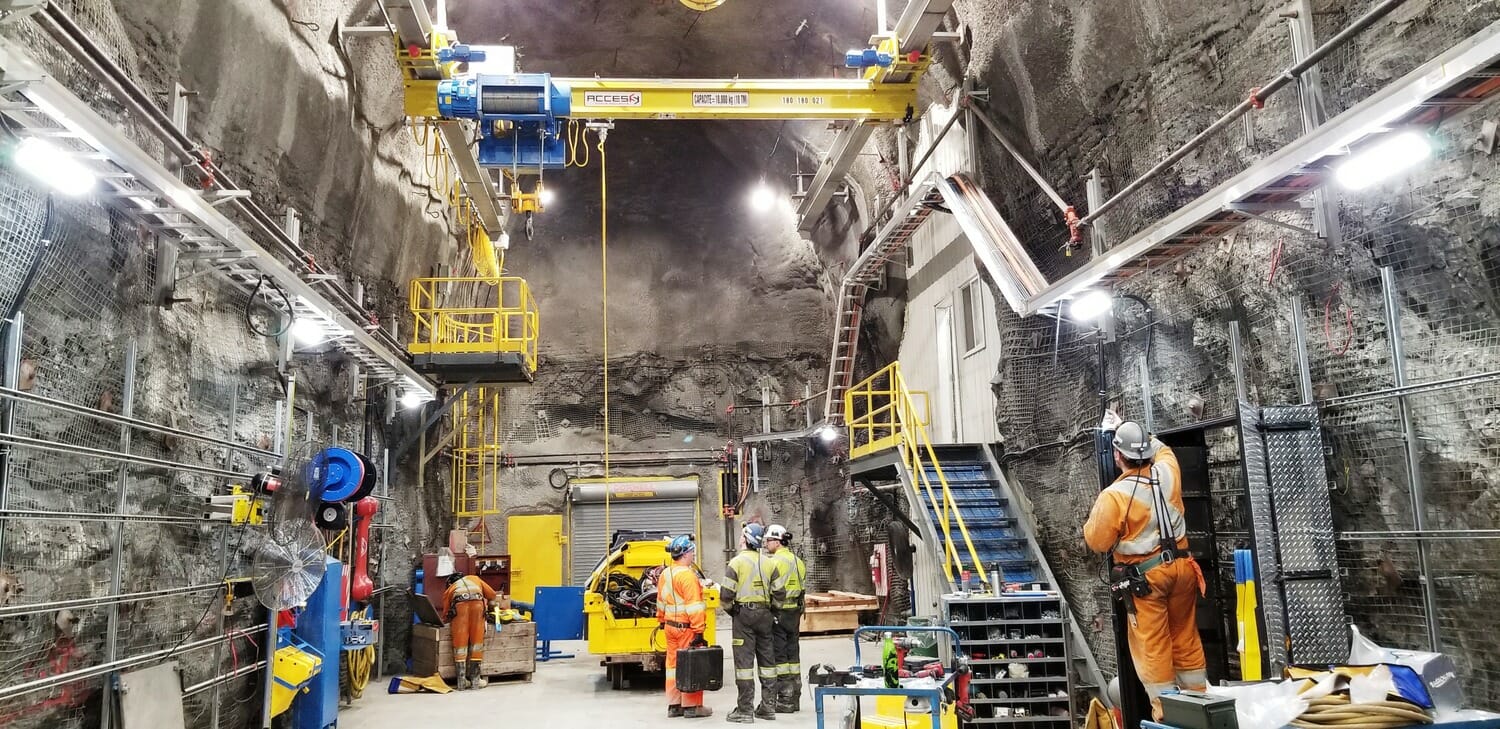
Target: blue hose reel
[343, 474]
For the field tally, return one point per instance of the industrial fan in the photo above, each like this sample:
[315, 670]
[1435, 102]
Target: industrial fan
[289, 559]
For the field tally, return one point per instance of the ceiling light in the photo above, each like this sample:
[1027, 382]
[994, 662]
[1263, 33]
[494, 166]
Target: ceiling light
[61, 171]
[1090, 305]
[762, 197]
[1383, 160]
[827, 433]
[412, 399]
[544, 196]
[307, 332]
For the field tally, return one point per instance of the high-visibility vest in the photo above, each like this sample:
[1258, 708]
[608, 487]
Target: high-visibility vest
[791, 579]
[677, 602]
[750, 573]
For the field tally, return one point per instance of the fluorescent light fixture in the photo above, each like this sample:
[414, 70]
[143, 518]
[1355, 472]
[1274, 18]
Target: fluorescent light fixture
[544, 196]
[827, 433]
[307, 332]
[762, 197]
[1090, 305]
[1383, 160]
[58, 169]
[413, 398]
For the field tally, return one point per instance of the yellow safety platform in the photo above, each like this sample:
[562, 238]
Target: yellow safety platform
[882, 414]
[491, 338]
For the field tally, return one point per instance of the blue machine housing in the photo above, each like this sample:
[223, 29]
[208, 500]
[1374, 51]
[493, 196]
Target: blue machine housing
[519, 117]
[318, 625]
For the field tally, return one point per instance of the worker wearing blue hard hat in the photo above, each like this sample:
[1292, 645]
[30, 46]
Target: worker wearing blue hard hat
[683, 613]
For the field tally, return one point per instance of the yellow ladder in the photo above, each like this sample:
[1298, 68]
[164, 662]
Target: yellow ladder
[881, 414]
[477, 451]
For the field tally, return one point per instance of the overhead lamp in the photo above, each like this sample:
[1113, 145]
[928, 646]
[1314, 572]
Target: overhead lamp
[307, 332]
[58, 169]
[413, 399]
[544, 195]
[1383, 160]
[827, 433]
[1090, 305]
[762, 197]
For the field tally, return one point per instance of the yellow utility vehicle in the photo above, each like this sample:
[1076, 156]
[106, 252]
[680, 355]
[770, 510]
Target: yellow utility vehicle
[619, 604]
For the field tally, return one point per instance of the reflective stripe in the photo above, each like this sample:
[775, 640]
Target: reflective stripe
[750, 585]
[692, 608]
[1141, 496]
[785, 669]
[765, 672]
[796, 668]
[671, 673]
[744, 674]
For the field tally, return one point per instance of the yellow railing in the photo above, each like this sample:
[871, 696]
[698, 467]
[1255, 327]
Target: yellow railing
[510, 325]
[477, 451]
[881, 413]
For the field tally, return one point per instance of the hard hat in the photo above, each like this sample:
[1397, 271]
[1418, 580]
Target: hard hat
[1132, 441]
[754, 535]
[680, 545]
[777, 532]
[455, 576]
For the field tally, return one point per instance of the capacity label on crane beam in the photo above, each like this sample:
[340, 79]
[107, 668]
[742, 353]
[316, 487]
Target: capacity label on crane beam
[612, 98]
[720, 98]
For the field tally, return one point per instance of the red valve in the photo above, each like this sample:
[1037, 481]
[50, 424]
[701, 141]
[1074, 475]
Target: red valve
[361, 585]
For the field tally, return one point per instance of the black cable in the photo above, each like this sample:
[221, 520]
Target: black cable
[213, 600]
[250, 304]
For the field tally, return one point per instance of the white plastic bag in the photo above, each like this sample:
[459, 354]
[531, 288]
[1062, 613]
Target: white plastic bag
[1263, 705]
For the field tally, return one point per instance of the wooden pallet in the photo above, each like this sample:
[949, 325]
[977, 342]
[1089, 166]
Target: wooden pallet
[835, 612]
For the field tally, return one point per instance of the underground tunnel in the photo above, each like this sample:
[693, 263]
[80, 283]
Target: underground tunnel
[395, 362]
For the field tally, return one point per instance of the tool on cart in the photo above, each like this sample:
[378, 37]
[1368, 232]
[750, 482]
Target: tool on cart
[934, 695]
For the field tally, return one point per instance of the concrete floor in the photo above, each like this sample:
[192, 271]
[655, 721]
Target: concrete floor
[569, 693]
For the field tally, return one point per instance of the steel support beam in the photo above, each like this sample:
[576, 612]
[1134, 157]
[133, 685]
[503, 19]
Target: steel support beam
[80, 118]
[1388, 105]
[1416, 489]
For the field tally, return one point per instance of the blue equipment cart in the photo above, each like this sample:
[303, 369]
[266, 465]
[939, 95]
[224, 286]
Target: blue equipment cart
[933, 694]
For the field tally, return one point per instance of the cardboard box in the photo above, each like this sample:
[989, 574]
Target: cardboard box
[510, 651]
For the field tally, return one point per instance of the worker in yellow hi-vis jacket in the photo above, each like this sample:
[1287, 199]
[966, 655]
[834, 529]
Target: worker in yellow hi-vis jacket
[747, 592]
[789, 589]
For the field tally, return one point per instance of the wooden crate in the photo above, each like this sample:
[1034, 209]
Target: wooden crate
[835, 612]
[508, 652]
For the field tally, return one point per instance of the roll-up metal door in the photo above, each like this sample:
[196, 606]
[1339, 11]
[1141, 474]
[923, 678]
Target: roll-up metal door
[669, 505]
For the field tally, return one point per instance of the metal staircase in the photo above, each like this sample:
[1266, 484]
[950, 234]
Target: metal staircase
[966, 512]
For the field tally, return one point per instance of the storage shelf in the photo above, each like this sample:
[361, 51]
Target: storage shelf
[1003, 622]
[1032, 679]
[1021, 719]
[1036, 700]
[1010, 641]
[998, 661]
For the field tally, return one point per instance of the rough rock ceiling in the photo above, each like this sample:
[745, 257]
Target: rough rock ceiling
[767, 38]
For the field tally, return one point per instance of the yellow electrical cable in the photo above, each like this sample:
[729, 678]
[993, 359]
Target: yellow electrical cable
[604, 296]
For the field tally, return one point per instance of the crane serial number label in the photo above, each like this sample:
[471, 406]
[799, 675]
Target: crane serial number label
[718, 98]
[804, 100]
[612, 98]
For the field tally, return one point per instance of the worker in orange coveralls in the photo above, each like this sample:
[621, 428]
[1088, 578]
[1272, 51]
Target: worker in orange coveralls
[1139, 518]
[464, 605]
[681, 609]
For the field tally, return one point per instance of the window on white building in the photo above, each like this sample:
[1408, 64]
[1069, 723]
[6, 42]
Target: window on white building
[971, 312]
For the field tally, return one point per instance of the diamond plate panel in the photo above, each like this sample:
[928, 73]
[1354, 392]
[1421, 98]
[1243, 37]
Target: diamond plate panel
[1263, 531]
[1318, 634]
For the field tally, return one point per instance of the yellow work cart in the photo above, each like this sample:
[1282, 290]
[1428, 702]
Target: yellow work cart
[619, 604]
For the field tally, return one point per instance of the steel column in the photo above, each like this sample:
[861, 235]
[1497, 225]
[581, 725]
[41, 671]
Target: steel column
[1299, 341]
[117, 538]
[1413, 451]
[1148, 409]
[14, 331]
[1237, 362]
[234, 412]
[1094, 195]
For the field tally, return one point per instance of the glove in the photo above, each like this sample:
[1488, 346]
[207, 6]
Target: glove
[733, 609]
[1111, 421]
[698, 641]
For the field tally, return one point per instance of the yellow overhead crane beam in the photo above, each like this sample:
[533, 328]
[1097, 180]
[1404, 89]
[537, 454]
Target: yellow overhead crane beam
[641, 98]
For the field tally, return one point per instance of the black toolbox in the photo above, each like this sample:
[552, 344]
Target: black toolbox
[700, 669]
[1195, 710]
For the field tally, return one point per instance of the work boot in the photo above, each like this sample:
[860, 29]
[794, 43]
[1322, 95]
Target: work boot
[697, 712]
[476, 680]
[790, 701]
[782, 706]
[463, 682]
[740, 716]
[766, 710]
[674, 711]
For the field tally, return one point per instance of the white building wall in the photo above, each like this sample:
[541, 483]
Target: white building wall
[941, 264]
